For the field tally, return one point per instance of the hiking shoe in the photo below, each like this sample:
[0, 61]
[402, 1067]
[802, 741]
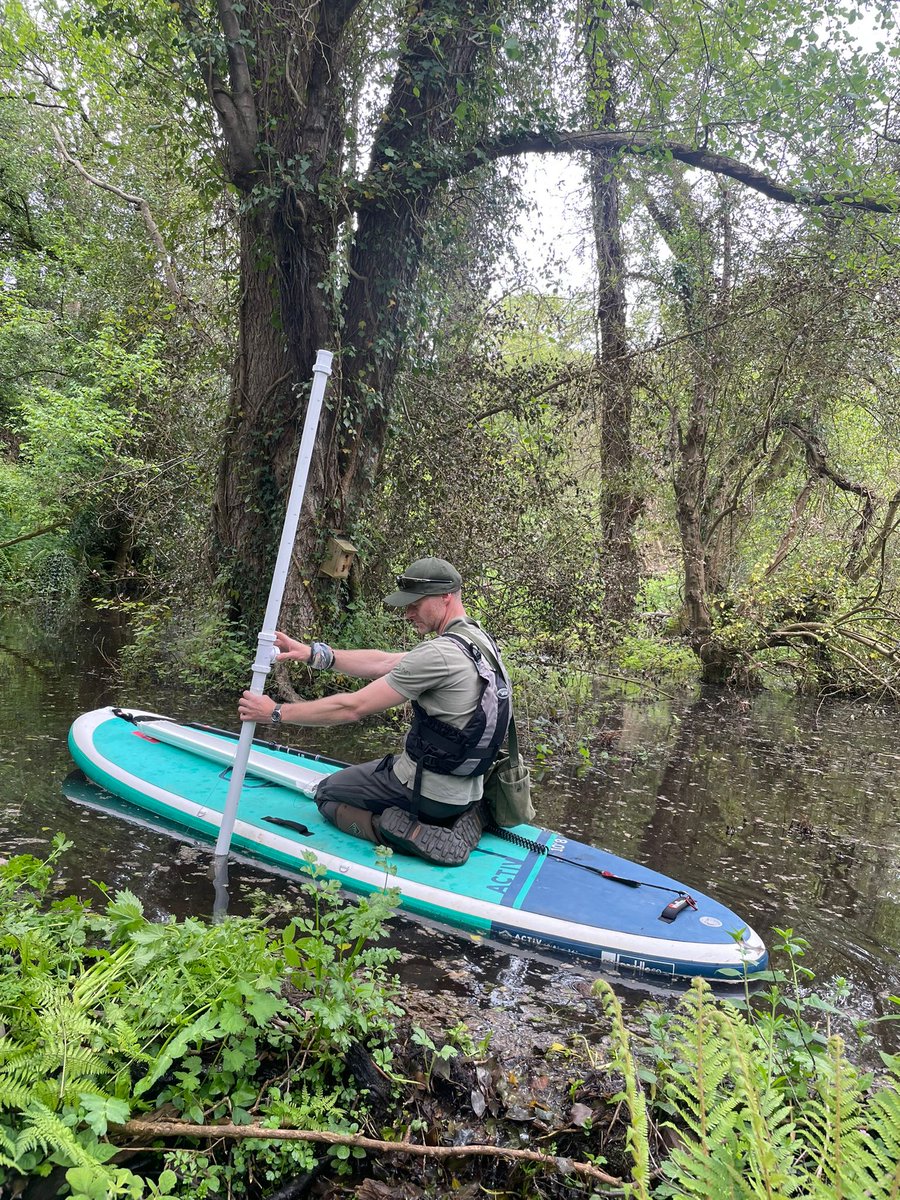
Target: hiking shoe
[445, 845]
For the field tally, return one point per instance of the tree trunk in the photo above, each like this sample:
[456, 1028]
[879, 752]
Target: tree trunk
[620, 504]
[284, 129]
[278, 63]
[704, 300]
[266, 412]
[690, 474]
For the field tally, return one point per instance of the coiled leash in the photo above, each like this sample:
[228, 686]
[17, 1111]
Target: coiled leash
[682, 899]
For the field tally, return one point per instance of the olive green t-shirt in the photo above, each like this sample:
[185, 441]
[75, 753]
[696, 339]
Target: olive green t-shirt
[443, 679]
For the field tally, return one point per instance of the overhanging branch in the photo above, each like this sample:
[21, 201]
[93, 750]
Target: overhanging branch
[137, 202]
[512, 145]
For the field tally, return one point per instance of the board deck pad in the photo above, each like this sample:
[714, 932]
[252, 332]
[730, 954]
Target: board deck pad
[534, 900]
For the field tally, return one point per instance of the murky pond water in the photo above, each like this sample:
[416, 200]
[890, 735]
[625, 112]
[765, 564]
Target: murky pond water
[785, 810]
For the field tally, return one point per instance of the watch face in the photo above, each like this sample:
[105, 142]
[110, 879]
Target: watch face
[276, 715]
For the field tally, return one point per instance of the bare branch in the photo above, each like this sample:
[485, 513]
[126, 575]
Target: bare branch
[137, 202]
[816, 458]
[154, 1129]
[570, 142]
[889, 526]
[790, 533]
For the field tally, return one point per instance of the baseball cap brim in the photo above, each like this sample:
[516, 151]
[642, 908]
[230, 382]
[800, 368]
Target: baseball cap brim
[401, 599]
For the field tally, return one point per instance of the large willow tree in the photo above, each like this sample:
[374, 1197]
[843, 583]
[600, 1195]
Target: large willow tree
[280, 78]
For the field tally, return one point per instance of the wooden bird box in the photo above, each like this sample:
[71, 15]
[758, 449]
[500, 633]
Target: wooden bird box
[339, 556]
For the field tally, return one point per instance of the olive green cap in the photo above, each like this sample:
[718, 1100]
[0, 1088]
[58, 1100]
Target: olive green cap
[424, 577]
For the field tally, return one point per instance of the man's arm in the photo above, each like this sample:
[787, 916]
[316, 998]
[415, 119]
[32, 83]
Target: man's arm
[340, 709]
[362, 664]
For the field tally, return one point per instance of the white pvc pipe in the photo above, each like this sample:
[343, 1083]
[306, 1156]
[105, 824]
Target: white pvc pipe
[265, 646]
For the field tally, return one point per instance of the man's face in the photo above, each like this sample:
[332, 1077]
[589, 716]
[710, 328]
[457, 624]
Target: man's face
[427, 614]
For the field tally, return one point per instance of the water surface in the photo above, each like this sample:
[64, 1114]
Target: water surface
[786, 810]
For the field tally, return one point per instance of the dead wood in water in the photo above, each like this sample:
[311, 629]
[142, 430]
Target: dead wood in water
[152, 1129]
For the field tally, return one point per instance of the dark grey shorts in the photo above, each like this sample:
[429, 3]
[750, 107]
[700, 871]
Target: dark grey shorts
[375, 787]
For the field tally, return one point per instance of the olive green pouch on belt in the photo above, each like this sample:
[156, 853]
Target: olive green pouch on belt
[507, 786]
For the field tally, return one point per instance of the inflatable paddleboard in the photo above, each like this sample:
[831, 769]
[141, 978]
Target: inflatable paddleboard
[536, 889]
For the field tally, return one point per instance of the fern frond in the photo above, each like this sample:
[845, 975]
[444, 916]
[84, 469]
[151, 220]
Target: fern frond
[883, 1138]
[29, 1066]
[767, 1120]
[122, 1039]
[8, 1148]
[64, 1020]
[44, 1130]
[709, 1161]
[839, 1155]
[14, 1092]
[697, 1085]
[707, 1176]
[638, 1135]
[312, 1107]
[49, 1075]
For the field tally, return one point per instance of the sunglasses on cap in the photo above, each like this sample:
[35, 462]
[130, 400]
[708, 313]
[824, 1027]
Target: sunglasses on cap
[409, 582]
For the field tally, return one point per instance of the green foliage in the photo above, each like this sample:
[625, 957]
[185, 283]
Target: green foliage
[561, 708]
[105, 1015]
[746, 1115]
[107, 383]
[202, 649]
[363, 626]
[114, 353]
[660, 658]
[492, 474]
[343, 979]
[637, 1137]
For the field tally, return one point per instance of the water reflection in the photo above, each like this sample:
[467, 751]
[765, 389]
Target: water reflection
[784, 810]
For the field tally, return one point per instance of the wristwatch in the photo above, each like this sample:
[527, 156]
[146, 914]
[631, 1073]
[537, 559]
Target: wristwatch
[275, 718]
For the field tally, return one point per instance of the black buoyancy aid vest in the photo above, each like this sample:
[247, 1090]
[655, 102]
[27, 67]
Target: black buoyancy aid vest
[443, 748]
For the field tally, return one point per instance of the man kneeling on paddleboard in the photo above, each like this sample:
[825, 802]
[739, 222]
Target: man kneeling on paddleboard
[427, 799]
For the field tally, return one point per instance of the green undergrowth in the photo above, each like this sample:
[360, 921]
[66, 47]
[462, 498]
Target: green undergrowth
[106, 1018]
[565, 690]
[197, 647]
[756, 1097]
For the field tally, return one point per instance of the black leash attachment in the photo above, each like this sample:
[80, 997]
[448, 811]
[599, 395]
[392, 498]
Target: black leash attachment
[136, 720]
[671, 911]
[681, 902]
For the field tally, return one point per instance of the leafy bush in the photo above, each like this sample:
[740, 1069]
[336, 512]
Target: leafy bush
[106, 1014]
[204, 651]
[656, 657]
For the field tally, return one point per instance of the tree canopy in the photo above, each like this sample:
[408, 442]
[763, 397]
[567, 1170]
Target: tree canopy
[194, 198]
